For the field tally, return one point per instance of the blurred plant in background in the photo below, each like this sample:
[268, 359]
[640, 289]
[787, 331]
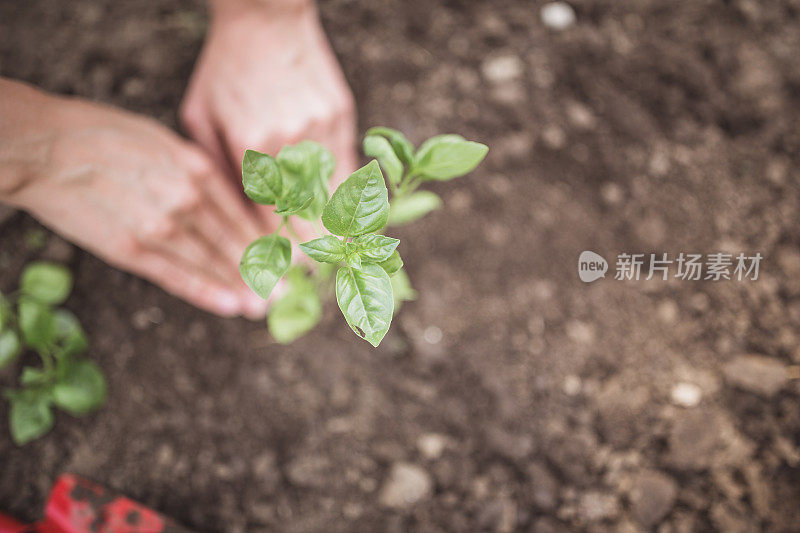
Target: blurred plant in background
[64, 380]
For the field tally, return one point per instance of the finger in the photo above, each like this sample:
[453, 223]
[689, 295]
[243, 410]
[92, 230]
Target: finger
[235, 208]
[187, 283]
[343, 147]
[340, 138]
[217, 232]
[234, 142]
[347, 160]
[188, 246]
[224, 196]
[200, 126]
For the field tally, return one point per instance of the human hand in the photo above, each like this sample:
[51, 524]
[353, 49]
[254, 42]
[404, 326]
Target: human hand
[138, 196]
[266, 78]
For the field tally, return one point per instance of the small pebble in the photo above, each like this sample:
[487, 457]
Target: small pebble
[686, 394]
[502, 69]
[652, 497]
[554, 137]
[764, 376]
[612, 193]
[431, 445]
[558, 15]
[595, 506]
[432, 335]
[571, 385]
[144, 318]
[407, 484]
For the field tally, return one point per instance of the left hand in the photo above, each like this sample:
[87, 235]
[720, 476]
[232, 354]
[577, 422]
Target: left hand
[267, 77]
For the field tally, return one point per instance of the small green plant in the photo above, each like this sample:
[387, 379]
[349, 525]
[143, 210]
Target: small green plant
[370, 283]
[65, 380]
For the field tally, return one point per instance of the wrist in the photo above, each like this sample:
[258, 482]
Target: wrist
[232, 9]
[27, 136]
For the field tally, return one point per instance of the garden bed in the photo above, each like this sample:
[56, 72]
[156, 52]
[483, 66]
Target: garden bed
[511, 395]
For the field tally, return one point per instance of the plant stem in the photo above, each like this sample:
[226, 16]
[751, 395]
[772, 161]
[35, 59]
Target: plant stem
[47, 360]
[413, 183]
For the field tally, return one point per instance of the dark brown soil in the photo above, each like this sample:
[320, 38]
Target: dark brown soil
[646, 127]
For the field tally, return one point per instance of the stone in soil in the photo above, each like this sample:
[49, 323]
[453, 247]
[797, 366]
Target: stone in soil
[502, 69]
[406, 485]
[758, 374]
[431, 445]
[686, 394]
[704, 438]
[652, 496]
[693, 441]
[595, 506]
[308, 471]
[557, 15]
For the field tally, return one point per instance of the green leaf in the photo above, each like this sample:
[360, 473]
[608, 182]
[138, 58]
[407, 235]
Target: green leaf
[298, 311]
[375, 248]
[30, 416]
[261, 178]
[264, 262]
[407, 209]
[353, 260]
[327, 249]
[80, 388]
[9, 347]
[448, 156]
[402, 148]
[402, 289]
[365, 298]
[360, 205]
[49, 283]
[393, 264]
[70, 337]
[32, 376]
[307, 167]
[380, 149]
[294, 202]
[37, 323]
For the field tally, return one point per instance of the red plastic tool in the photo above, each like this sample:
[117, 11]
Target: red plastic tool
[80, 506]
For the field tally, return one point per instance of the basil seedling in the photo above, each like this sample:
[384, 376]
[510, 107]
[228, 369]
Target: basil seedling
[370, 283]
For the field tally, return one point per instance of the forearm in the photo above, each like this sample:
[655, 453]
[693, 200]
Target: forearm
[228, 8]
[27, 133]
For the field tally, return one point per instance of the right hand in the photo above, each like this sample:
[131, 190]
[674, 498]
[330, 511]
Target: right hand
[138, 196]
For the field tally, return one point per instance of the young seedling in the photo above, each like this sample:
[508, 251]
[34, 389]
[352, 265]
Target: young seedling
[65, 380]
[370, 283]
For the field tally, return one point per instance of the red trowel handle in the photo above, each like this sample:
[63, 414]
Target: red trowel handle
[79, 506]
[9, 525]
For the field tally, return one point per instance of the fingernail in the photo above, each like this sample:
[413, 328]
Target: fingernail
[228, 303]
